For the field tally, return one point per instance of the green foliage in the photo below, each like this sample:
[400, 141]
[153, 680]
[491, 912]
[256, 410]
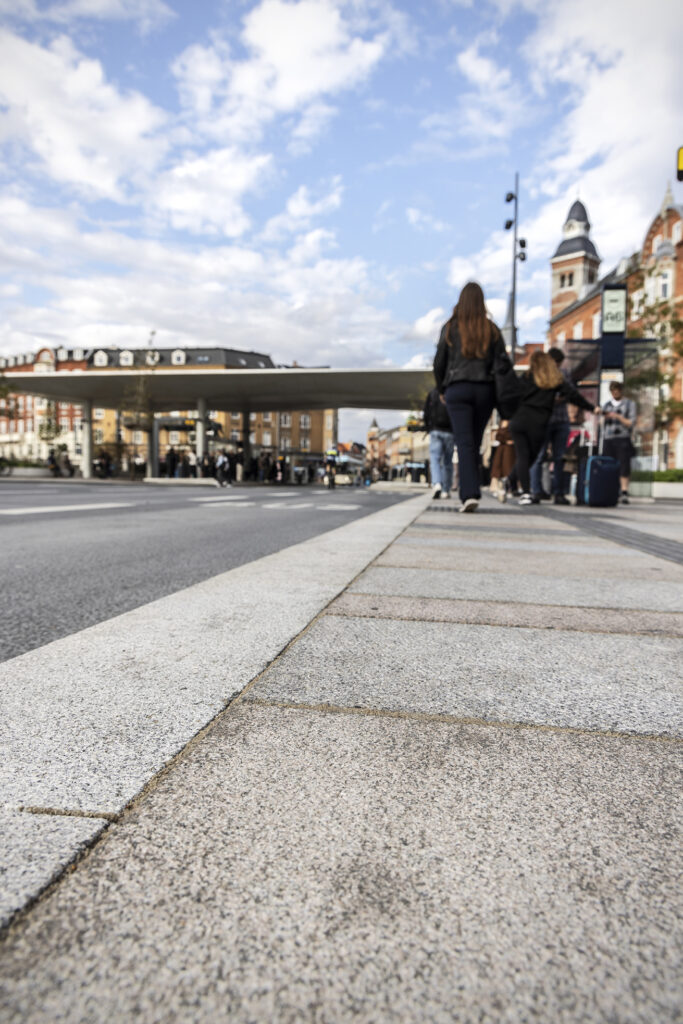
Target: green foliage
[50, 428]
[659, 320]
[664, 476]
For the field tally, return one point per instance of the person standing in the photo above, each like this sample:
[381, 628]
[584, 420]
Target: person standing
[620, 419]
[540, 384]
[556, 439]
[470, 348]
[437, 424]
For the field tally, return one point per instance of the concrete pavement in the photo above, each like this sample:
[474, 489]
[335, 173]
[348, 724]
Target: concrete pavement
[441, 783]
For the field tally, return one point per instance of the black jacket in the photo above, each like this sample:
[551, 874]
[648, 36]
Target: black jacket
[537, 403]
[450, 365]
[435, 413]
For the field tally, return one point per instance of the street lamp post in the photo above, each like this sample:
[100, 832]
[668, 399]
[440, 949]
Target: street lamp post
[517, 254]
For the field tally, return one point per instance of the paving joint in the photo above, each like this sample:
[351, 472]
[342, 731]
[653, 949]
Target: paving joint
[64, 812]
[446, 719]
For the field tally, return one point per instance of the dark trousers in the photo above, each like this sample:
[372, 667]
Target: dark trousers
[529, 434]
[469, 405]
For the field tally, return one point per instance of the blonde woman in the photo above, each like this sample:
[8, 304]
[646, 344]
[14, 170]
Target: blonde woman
[469, 348]
[529, 425]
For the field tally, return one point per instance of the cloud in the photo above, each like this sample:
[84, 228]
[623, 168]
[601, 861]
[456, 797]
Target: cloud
[427, 327]
[148, 14]
[202, 193]
[422, 221]
[85, 133]
[296, 55]
[301, 209]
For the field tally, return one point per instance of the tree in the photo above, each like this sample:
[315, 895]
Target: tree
[659, 320]
[50, 427]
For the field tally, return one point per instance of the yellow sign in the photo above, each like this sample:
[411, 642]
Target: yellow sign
[679, 173]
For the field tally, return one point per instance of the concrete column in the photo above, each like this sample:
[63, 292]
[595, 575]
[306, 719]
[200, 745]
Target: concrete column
[246, 443]
[153, 449]
[202, 412]
[86, 446]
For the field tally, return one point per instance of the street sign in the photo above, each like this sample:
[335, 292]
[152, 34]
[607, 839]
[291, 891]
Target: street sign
[614, 309]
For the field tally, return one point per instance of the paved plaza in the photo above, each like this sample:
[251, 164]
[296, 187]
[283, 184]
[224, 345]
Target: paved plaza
[421, 767]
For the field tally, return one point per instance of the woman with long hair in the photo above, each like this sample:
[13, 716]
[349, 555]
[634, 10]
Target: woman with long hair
[470, 346]
[539, 386]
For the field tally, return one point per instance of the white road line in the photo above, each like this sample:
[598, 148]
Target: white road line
[288, 505]
[225, 504]
[223, 498]
[40, 509]
[338, 508]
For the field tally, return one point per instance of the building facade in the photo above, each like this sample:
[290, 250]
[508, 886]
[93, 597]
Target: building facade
[653, 276]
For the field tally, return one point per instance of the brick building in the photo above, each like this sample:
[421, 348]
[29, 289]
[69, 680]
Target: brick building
[653, 273]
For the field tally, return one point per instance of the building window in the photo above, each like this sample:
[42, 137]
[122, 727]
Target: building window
[286, 442]
[636, 303]
[665, 284]
[174, 437]
[570, 279]
[138, 437]
[100, 359]
[267, 438]
[97, 414]
[98, 435]
[266, 417]
[561, 280]
[126, 358]
[252, 417]
[578, 331]
[329, 421]
[234, 435]
[656, 242]
[305, 444]
[305, 421]
[676, 232]
[285, 419]
[591, 277]
[235, 415]
[178, 357]
[596, 325]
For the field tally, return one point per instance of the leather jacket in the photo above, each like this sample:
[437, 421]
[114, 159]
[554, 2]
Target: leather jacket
[450, 365]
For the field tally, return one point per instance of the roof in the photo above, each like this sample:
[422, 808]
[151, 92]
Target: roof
[577, 212]
[581, 243]
[236, 390]
[212, 356]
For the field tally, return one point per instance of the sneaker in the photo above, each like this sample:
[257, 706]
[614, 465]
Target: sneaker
[471, 505]
[536, 499]
[543, 496]
[560, 499]
[623, 500]
[436, 493]
[446, 494]
[526, 499]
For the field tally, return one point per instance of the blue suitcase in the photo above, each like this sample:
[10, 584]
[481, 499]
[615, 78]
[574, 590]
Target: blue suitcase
[601, 484]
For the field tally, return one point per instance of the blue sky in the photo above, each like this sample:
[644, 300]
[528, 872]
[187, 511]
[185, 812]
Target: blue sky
[316, 179]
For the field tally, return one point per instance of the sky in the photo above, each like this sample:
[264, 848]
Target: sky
[317, 179]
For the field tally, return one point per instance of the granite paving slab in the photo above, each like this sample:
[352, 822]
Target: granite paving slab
[568, 565]
[298, 866]
[494, 518]
[445, 539]
[35, 849]
[493, 613]
[86, 721]
[665, 596]
[575, 680]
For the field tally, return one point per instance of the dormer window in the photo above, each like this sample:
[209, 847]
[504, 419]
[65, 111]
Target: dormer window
[126, 358]
[100, 358]
[178, 357]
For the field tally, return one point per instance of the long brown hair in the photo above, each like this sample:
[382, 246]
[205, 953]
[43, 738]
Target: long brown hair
[472, 322]
[545, 371]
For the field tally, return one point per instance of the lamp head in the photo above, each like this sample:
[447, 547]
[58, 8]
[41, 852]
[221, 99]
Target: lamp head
[509, 197]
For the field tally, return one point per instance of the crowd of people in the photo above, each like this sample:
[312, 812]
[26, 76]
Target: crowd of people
[473, 376]
[228, 466]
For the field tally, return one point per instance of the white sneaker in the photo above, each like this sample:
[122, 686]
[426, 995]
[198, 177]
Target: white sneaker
[526, 499]
[471, 505]
[436, 493]
[446, 494]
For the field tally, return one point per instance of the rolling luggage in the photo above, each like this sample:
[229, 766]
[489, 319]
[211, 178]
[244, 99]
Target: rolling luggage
[601, 482]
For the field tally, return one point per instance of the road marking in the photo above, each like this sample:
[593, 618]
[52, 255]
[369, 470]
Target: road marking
[220, 500]
[41, 509]
[288, 505]
[225, 504]
[338, 508]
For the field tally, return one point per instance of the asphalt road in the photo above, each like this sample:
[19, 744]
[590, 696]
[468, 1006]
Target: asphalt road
[72, 555]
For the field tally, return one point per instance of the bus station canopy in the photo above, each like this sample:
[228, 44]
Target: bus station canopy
[244, 390]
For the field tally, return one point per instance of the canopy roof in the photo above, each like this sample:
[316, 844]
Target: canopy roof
[232, 390]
